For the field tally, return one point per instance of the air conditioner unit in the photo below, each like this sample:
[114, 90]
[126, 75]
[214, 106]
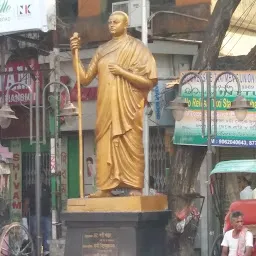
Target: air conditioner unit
[133, 9]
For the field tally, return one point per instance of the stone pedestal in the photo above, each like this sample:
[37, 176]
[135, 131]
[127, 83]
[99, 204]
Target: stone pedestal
[116, 234]
[129, 232]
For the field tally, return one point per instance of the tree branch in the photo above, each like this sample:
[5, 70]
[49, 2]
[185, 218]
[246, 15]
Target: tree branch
[215, 33]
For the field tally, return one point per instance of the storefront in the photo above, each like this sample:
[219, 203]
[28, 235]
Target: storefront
[23, 170]
[16, 134]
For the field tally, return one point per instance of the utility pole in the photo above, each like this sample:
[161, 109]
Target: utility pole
[54, 141]
[54, 130]
[52, 153]
[209, 155]
[144, 38]
[38, 175]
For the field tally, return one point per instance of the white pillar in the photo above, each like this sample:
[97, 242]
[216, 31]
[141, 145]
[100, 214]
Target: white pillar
[54, 64]
[144, 38]
[204, 223]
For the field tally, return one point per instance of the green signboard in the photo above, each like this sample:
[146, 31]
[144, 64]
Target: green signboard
[230, 131]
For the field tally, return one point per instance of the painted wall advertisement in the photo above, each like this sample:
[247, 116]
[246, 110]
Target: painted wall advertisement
[19, 16]
[230, 131]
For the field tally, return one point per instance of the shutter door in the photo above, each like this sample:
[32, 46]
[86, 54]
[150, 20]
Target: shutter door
[226, 154]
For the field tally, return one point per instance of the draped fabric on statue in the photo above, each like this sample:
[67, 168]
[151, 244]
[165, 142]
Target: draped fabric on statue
[120, 106]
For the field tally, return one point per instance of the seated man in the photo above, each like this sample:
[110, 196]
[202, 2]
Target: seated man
[246, 192]
[237, 241]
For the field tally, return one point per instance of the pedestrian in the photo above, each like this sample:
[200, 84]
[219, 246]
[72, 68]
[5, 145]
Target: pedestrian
[30, 210]
[246, 192]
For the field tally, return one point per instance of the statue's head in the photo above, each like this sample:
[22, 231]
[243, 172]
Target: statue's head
[118, 23]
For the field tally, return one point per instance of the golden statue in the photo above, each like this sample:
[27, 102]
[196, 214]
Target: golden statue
[126, 73]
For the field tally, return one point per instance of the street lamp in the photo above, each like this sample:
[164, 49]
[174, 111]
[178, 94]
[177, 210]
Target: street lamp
[240, 105]
[179, 105]
[69, 112]
[7, 114]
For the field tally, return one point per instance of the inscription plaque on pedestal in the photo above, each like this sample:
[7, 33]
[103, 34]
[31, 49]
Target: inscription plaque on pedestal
[100, 242]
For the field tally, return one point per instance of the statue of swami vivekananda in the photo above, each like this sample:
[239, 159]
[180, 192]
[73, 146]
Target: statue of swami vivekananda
[126, 73]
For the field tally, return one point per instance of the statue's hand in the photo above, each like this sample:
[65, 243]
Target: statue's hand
[115, 69]
[75, 42]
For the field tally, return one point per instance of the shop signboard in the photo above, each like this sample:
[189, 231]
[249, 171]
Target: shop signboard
[27, 15]
[230, 131]
[20, 94]
[16, 181]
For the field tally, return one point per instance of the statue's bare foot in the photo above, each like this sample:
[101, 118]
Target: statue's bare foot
[101, 193]
[135, 192]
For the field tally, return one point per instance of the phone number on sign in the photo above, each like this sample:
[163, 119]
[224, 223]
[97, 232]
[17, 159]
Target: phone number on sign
[243, 143]
[233, 142]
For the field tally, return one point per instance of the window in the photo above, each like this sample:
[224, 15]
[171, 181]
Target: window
[68, 9]
[120, 6]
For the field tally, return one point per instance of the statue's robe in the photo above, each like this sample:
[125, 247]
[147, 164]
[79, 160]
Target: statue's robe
[120, 108]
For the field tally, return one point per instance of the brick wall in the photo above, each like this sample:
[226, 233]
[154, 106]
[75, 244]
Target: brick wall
[88, 8]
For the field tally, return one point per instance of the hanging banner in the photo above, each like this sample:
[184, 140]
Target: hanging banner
[160, 96]
[230, 131]
[27, 15]
[64, 172]
[16, 182]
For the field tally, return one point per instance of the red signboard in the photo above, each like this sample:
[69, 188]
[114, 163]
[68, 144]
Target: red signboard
[87, 93]
[20, 93]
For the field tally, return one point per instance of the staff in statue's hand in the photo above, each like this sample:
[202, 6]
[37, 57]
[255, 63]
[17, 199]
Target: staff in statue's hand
[75, 42]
